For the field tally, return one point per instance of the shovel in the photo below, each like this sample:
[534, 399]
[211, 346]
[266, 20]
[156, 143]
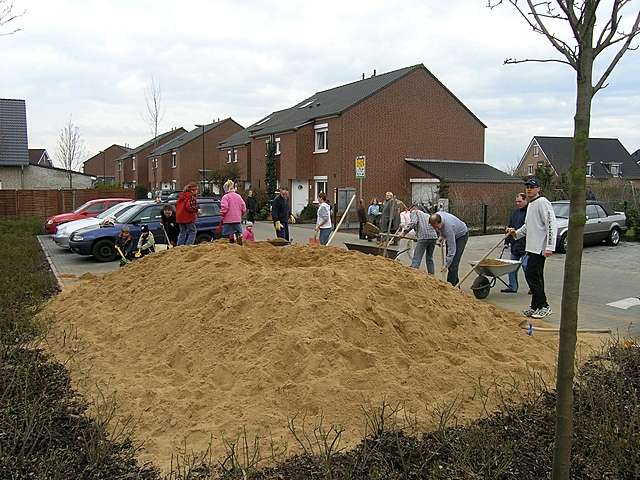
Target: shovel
[123, 260]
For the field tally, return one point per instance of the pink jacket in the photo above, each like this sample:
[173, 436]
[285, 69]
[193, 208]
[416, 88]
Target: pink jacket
[232, 208]
[248, 235]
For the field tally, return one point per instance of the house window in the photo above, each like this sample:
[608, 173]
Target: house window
[530, 169]
[536, 151]
[173, 160]
[155, 165]
[173, 184]
[614, 169]
[133, 163]
[228, 156]
[0, 184]
[322, 144]
[120, 165]
[589, 169]
[278, 146]
[320, 186]
[235, 155]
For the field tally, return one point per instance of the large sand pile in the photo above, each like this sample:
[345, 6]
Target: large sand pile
[200, 341]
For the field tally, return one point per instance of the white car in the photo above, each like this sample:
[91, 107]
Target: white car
[62, 235]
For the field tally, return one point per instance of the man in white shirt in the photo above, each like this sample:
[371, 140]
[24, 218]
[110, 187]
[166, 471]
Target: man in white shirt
[540, 231]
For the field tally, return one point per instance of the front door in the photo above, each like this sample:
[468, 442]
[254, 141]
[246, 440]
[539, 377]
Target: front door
[299, 195]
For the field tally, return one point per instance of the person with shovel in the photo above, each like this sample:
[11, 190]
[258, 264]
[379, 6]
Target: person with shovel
[124, 245]
[146, 242]
[170, 225]
[540, 231]
[455, 233]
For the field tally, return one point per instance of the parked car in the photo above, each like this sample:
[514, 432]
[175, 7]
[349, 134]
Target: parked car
[65, 230]
[602, 224]
[88, 210]
[166, 195]
[100, 241]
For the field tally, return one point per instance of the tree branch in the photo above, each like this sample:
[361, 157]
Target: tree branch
[512, 61]
[560, 45]
[635, 30]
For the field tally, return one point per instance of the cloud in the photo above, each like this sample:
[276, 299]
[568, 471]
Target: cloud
[94, 59]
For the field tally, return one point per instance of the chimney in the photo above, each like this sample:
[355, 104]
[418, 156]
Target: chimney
[374, 73]
[363, 75]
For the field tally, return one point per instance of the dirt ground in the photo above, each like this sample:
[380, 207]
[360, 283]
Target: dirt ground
[196, 343]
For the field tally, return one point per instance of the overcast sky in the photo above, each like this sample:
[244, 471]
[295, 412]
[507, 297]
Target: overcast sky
[244, 59]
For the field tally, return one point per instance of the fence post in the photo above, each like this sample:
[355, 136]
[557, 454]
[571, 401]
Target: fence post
[485, 209]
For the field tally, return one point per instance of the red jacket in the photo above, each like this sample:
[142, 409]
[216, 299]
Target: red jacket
[186, 208]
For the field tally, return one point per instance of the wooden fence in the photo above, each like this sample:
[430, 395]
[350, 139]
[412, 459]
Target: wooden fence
[45, 203]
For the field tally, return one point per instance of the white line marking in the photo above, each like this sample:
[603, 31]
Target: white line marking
[625, 303]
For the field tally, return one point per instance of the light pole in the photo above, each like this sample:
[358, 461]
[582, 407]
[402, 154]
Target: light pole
[104, 168]
[203, 168]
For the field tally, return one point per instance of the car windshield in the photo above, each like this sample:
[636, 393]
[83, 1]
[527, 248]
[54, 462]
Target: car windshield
[130, 214]
[110, 211]
[561, 210]
[82, 207]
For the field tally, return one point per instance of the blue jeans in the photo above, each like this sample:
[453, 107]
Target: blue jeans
[513, 276]
[452, 275]
[187, 235]
[424, 248]
[325, 233]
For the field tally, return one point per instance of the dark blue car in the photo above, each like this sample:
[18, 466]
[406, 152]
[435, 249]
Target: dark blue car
[100, 241]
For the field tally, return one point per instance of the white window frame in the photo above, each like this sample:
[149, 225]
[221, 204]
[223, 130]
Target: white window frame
[617, 167]
[317, 180]
[589, 169]
[536, 150]
[228, 156]
[174, 162]
[155, 164]
[323, 128]
[235, 155]
[530, 169]
[133, 163]
[277, 145]
[173, 185]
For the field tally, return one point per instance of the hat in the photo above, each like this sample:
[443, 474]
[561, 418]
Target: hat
[125, 229]
[249, 224]
[532, 182]
[144, 228]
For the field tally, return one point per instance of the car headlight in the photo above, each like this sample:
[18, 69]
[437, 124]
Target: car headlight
[50, 222]
[76, 238]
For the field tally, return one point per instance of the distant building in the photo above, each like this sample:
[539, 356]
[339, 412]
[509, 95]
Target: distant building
[21, 168]
[102, 165]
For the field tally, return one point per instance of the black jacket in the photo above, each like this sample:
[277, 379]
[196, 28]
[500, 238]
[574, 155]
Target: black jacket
[252, 204]
[171, 226]
[280, 209]
[516, 221]
[126, 245]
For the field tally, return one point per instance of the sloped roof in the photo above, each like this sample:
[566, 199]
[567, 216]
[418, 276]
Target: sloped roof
[13, 132]
[186, 138]
[239, 138]
[332, 102]
[458, 171]
[148, 143]
[559, 151]
[636, 155]
[35, 154]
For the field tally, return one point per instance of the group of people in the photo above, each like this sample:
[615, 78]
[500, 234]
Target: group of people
[530, 234]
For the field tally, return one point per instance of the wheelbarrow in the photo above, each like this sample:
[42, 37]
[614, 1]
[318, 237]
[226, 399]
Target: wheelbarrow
[489, 272]
[374, 249]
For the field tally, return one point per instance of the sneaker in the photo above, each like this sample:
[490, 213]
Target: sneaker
[528, 312]
[542, 312]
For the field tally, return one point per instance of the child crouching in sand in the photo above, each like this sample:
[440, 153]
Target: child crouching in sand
[248, 235]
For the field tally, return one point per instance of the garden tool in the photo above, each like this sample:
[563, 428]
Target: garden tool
[123, 260]
[166, 236]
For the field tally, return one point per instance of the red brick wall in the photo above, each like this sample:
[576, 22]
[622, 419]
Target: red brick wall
[258, 163]
[103, 164]
[466, 200]
[45, 203]
[144, 174]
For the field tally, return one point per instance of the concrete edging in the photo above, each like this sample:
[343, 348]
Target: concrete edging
[53, 268]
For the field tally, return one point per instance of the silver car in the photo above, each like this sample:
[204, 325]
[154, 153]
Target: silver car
[62, 235]
[603, 225]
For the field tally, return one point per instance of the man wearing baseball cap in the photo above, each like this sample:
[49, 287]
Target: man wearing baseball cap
[540, 231]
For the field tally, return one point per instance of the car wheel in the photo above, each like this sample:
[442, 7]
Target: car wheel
[614, 236]
[203, 237]
[104, 250]
[561, 247]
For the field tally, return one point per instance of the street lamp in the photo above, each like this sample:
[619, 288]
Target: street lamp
[203, 168]
[104, 168]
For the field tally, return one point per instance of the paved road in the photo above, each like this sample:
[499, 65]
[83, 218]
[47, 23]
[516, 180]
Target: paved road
[609, 274]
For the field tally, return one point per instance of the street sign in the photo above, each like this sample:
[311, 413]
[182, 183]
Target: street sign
[361, 163]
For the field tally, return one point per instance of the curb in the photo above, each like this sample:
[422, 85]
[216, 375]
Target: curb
[53, 268]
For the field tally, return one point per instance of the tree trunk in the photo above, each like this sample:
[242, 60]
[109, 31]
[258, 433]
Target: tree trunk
[573, 262]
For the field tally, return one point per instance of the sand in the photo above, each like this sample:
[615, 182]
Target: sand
[200, 341]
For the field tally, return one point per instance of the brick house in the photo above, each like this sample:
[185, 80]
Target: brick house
[608, 158]
[185, 158]
[39, 156]
[132, 167]
[389, 118]
[102, 165]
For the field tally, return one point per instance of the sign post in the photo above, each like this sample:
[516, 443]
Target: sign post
[361, 164]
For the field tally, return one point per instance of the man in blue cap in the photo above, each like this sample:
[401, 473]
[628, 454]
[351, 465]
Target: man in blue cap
[540, 231]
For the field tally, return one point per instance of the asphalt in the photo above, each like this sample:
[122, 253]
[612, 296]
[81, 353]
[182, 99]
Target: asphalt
[609, 274]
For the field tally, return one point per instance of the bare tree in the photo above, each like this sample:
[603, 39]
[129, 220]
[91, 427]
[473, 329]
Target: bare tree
[7, 14]
[70, 150]
[153, 116]
[579, 49]
[511, 168]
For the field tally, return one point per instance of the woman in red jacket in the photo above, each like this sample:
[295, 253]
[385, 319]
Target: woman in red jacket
[186, 214]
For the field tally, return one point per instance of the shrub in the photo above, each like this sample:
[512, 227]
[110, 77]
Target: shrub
[141, 192]
[309, 212]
